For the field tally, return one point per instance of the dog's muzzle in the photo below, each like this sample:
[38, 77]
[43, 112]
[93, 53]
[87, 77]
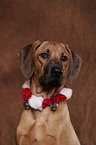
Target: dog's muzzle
[53, 75]
[56, 71]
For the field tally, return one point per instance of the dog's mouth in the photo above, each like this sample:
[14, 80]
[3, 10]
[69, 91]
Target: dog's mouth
[51, 82]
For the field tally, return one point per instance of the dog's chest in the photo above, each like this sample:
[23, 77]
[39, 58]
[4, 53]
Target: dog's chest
[49, 124]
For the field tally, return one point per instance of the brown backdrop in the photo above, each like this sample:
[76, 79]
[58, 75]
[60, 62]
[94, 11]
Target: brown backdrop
[72, 22]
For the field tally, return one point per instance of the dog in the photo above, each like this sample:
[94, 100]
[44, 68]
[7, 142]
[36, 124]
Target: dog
[49, 65]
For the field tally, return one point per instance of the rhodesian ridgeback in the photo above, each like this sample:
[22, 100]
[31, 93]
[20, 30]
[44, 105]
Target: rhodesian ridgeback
[49, 65]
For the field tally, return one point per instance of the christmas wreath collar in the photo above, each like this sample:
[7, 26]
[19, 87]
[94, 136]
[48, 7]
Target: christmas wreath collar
[39, 102]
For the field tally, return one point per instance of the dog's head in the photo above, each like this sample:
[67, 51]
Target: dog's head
[51, 63]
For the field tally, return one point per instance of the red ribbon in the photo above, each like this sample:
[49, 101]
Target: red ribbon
[26, 93]
[58, 98]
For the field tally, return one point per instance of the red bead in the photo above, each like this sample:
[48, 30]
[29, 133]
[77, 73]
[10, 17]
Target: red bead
[26, 94]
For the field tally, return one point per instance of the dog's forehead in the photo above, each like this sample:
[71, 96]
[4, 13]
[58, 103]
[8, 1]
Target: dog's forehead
[51, 46]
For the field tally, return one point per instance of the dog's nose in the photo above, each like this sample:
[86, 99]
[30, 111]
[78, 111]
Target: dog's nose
[56, 71]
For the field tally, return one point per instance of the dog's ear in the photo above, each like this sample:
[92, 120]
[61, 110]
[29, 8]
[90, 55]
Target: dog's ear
[26, 56]
[75, 67]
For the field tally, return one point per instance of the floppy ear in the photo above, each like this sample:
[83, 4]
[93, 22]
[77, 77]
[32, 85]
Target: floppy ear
[75, 67]
[26, 58]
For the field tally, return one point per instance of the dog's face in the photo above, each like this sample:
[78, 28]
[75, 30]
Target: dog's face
[52, 63]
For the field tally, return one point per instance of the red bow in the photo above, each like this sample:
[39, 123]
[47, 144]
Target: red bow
[26, 93]
[58, 98]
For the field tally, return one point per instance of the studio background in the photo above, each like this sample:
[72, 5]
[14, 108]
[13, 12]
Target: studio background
[67, 21]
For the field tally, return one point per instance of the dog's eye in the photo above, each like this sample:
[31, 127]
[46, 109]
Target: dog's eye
[44, 55]
[64, 58]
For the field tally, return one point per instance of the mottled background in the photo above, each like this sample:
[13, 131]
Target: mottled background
[67, 21]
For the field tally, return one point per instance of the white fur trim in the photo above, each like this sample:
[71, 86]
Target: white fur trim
[26, 84]
[67, 92]
[36, 102]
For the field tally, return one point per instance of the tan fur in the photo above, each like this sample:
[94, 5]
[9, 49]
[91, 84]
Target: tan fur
[47, 127]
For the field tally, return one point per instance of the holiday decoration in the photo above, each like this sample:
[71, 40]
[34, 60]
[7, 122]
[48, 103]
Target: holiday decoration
[39, 102]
